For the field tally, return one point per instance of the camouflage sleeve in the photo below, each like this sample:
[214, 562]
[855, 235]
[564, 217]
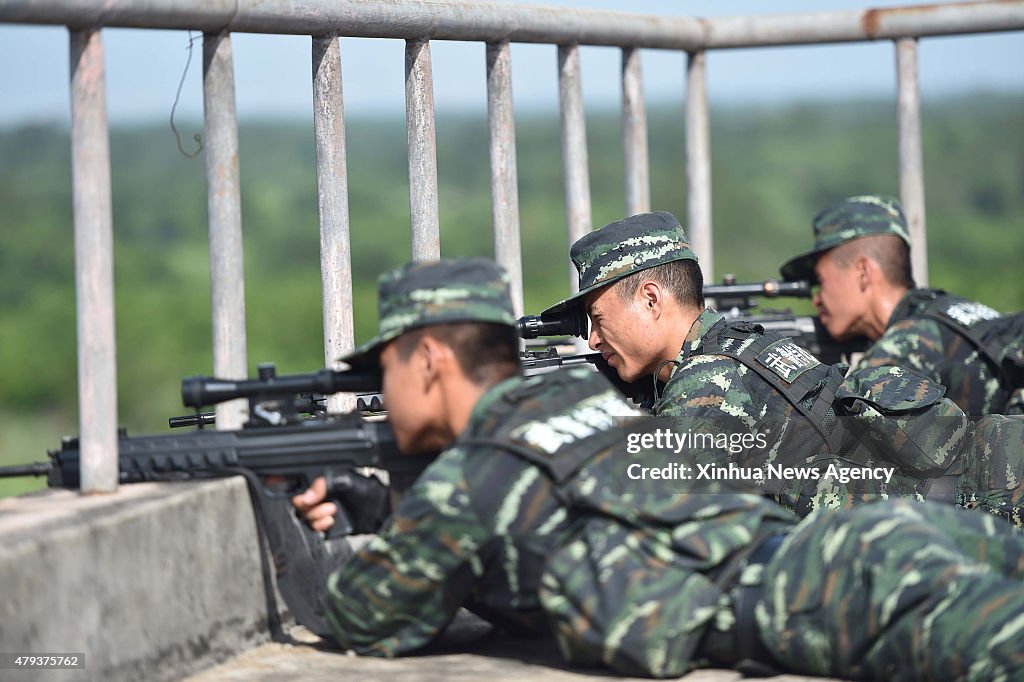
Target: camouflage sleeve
[405, 585]
[913, 343]
[711, 386]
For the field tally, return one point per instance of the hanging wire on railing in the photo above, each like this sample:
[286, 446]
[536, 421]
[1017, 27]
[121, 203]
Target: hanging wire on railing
[177, 136]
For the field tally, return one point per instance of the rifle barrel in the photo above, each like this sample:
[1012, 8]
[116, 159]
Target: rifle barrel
[31, 469]
[771, 288]
[202, 419]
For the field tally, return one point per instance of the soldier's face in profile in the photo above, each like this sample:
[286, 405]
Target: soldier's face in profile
[840, 299]
[622, 332]
[407, 394]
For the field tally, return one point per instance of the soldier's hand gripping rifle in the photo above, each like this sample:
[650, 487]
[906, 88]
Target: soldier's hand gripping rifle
[279, 453]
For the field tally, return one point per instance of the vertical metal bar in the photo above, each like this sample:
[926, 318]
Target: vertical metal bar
[575, 165]
[911, 160]
[698, 162]
[504, 187]
[332, 192]
[94, 264]
[634, 134]
[224, 205]
[419, 113]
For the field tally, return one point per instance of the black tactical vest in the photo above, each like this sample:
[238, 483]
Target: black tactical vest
[999, 339]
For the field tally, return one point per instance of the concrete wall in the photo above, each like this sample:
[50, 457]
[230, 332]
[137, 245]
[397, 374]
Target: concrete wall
[153, 582]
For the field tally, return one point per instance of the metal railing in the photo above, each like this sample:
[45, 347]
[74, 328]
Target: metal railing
[419, 22]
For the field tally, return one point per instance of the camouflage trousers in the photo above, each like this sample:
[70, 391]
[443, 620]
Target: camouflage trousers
[897, 591]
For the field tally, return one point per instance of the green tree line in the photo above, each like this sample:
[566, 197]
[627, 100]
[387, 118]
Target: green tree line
[773, 167]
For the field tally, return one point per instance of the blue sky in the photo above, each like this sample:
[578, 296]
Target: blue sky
[272, 72]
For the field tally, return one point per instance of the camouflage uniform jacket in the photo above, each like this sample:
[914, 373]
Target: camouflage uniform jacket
[478, 526]
[921, 342]
[864, 423]
[529, 514]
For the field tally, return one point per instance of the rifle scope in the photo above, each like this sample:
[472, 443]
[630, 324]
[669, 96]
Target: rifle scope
[201, 391]
[571, 322]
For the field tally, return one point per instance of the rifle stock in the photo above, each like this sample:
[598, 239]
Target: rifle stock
[538, 362]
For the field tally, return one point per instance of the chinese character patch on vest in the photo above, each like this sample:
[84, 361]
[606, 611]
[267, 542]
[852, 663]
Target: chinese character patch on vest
[968, 313]
[787, 360]
[600, 412]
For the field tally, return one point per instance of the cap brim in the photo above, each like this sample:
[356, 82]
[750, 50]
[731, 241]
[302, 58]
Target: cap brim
[571, 302]
[802, 267]
[576, 300]
[368, 354]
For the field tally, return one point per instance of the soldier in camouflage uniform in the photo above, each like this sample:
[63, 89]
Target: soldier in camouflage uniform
[528, 518]
[861, 258]
[642, 287]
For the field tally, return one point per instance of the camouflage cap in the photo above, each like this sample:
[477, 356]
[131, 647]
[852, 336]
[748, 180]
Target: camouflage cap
[624, 247]
[437, 292]
[851, 218]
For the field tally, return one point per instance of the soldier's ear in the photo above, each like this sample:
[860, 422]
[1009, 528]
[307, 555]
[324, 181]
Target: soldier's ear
[651, 295]
[434, 356]
[426, 361]
[866, 270]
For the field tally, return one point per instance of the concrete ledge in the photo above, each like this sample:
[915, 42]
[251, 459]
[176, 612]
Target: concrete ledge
[154, 582]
